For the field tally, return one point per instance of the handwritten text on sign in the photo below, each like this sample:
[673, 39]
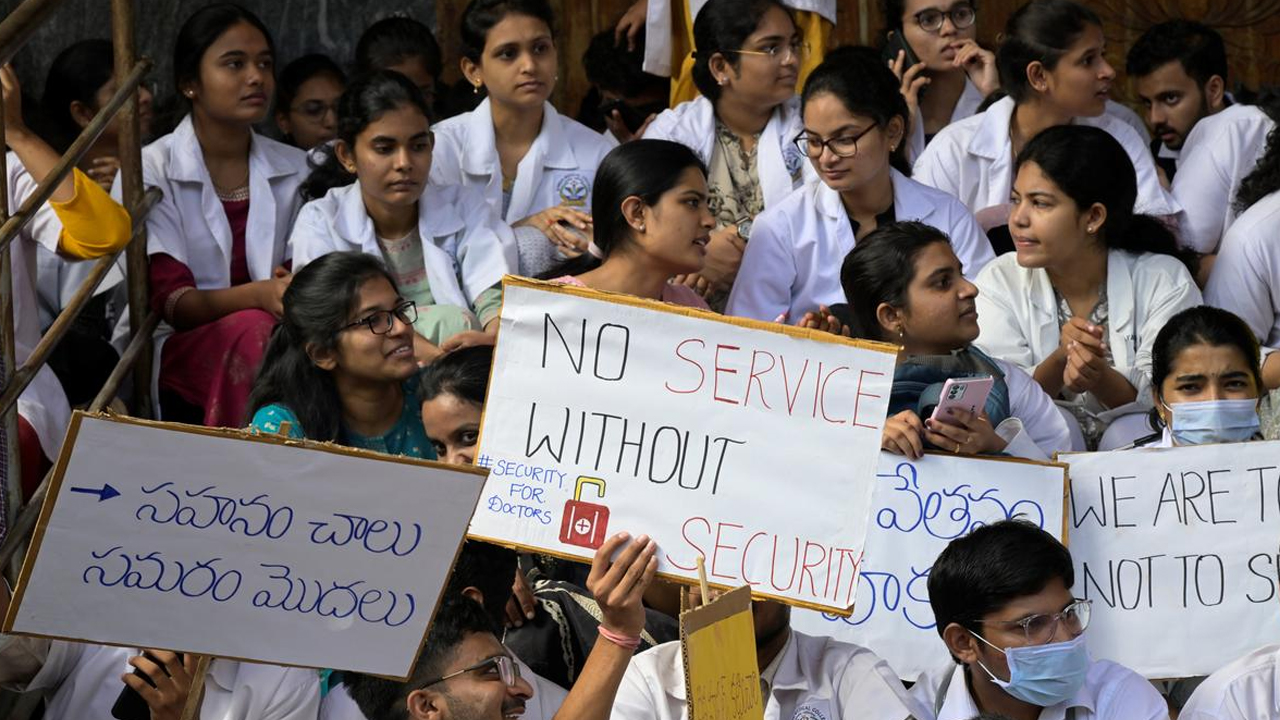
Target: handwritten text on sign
[218, 545]
[715, 438]
[920, 506]
[1180, 538]
[718, 646]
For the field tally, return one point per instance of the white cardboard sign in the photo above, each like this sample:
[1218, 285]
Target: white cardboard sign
[920, 506]
[716, 436]
[1178, 548]
[211, 542]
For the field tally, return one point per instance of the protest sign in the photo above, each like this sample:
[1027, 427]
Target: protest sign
[1178, 549]
[919, 507]
[718, 647]
[217, 543]
[715, 436]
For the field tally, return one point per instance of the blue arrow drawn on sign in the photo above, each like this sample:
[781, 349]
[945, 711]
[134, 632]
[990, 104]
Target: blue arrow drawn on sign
[105, 493]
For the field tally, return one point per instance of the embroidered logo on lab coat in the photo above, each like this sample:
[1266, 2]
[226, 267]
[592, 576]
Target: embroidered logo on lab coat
[793, 161]
[573, 190]
[814, 709]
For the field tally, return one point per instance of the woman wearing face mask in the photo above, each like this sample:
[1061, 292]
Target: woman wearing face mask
[1205, 380]
[218, 238]
[339, 366]
[652, 223]
[536, 166]
[746, 66]
[1051, 64]
[445, 246]
[905, 285]
[1080, 302]
[954, 74]
[307, 100]
[854, 121]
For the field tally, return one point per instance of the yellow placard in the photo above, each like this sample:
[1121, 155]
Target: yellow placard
[718, 644]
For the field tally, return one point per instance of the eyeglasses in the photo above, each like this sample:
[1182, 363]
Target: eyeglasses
[380, 322]
[507, 669]
[316, 109]
[779, 53]
[962, 16]
[1040, 629]
[845, 146]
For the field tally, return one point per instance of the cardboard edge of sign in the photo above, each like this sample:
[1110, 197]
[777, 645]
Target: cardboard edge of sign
[64, 458]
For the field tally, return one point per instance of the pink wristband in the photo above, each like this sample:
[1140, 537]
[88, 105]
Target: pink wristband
[627, 641]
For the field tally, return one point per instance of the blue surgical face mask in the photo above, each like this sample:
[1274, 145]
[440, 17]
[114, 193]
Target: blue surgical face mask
[1043, 675]
[1214, 421]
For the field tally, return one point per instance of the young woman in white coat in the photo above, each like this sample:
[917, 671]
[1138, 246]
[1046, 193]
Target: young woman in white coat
[1079, 303]
[218, 239]
[536, 166]
[1052, 66]
[954, 73]
[746, 64]
[1246, 275]
[905, 286]
[854, 123]
[444, 245]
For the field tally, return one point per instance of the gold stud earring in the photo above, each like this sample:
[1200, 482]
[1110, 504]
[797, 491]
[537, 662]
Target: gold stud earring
[476, 89]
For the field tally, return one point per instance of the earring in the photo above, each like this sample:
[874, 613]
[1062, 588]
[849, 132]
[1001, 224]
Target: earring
[901, 333]
[191, 93]
[1091, 230]
[641, 228]
[476, 89]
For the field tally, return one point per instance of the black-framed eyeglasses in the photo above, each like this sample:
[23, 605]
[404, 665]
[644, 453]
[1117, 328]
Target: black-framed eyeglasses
[380, 322]
[316, 109]
[962, 16]
[507, 669]
[845, 146]
[780, 53]
[1040, 629]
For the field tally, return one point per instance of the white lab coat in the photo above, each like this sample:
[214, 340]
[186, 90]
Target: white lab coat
[547, 699]
[1110, 692]
[966, 107]
[657, 27]
[817, 678]
[190, 224]
[559, 168]
[792, 263]
[43, 403]
[1018, 314]
[81, 680]
[1245, 689]
[1220, 151]
[1125, 114]
[973, 160]
[466, 248]
[780, 165]
[1246, 276]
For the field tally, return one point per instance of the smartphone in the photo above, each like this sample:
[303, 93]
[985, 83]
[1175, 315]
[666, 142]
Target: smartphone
[962, 393]
[896, 43]
[130, 705]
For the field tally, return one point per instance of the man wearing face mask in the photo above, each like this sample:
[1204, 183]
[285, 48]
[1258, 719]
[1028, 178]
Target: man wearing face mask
[1002, 599]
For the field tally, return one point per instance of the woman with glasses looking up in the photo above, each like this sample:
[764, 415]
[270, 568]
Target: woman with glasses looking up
[746, 65]
[339, 365]
[307, 100]
[950, 74]
[854, 124]
[444, 245]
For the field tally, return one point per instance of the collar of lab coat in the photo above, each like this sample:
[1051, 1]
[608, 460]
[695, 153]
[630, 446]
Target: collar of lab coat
[908, 201]
[788, 677]
[549, 149]
[960, 703]
[966, 106]
[992, 139]
[186, 161]
[1119, 305]
[437, 217]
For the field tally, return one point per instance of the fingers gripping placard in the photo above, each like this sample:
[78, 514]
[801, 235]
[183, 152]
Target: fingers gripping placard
[716, 436]
[214, 543]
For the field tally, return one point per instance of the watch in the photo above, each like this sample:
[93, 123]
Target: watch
[744, 229]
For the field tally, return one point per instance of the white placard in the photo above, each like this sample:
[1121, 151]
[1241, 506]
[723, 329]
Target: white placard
[163, 536]
[1178, 549]
[713, 435]
[920, 506]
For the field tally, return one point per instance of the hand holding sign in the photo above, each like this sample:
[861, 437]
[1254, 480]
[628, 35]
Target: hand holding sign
[619, 585]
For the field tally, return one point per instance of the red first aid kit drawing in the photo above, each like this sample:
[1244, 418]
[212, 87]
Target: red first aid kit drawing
[585, 524]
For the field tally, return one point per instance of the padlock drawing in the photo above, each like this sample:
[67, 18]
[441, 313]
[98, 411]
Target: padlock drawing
[584, 524]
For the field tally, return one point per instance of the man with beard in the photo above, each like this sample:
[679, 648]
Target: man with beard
[1180, 71]
[825, 678]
